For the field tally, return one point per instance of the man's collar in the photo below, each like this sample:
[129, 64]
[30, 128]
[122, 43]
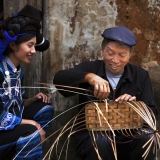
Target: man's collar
[127, 73]
[101, 70]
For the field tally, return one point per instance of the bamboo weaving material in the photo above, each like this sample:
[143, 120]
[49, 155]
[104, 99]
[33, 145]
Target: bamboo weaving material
[105, 116]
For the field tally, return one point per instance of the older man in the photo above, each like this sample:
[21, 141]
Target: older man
[116, 79]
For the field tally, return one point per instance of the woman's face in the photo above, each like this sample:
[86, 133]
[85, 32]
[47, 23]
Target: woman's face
[115, 57]
[23, 52]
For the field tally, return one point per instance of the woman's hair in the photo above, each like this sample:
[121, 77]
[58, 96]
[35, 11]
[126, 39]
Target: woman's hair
[18, 29]
[105, 41]
[19, 40]
[2, 28]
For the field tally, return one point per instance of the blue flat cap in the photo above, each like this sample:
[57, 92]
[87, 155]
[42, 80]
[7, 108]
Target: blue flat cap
[120, 34]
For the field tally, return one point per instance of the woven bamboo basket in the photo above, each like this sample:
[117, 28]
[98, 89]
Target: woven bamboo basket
[117, 116]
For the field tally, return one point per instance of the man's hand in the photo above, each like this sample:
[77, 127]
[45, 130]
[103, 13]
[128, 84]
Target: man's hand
[101, 86]
[125, 98]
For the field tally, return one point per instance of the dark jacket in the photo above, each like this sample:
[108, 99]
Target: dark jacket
[134, 81]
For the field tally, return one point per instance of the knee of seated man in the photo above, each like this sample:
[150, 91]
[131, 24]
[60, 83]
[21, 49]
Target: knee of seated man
[147, 133]
[102, 141]
[144, 135]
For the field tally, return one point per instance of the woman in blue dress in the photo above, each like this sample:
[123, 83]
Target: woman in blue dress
[23, 122]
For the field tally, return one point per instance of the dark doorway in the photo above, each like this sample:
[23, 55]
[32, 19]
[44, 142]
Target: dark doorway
[1, 10]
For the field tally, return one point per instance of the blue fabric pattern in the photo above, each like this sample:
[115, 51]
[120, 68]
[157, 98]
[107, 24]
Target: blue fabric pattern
[24, 146]
[9, 121]
[11, 96]
[44, 116]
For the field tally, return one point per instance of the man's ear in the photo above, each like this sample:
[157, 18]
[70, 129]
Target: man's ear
[131, 52]
[13, 45]
[101, 53]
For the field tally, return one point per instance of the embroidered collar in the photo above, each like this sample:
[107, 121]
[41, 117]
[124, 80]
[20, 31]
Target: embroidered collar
[11, 65]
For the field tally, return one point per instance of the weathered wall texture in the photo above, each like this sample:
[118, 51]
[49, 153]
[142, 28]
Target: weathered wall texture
[143, 18]
[74, 29]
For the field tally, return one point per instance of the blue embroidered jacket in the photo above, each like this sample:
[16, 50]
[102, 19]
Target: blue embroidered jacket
[11, 108]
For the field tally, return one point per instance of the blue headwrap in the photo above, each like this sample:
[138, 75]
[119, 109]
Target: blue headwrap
[25, 21]
[7, 41]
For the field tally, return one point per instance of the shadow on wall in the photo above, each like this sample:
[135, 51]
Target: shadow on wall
[154, 73]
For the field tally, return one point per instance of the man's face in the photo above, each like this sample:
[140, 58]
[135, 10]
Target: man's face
[115, 57]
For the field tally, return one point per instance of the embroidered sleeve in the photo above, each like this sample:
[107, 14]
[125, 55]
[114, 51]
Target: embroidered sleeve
[8, 121]
[22, 89]
[1, 81]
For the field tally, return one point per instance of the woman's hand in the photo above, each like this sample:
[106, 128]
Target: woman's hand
[37, 125]
[42, 96]
[125, 98]
[101, 86]
[35, 98]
